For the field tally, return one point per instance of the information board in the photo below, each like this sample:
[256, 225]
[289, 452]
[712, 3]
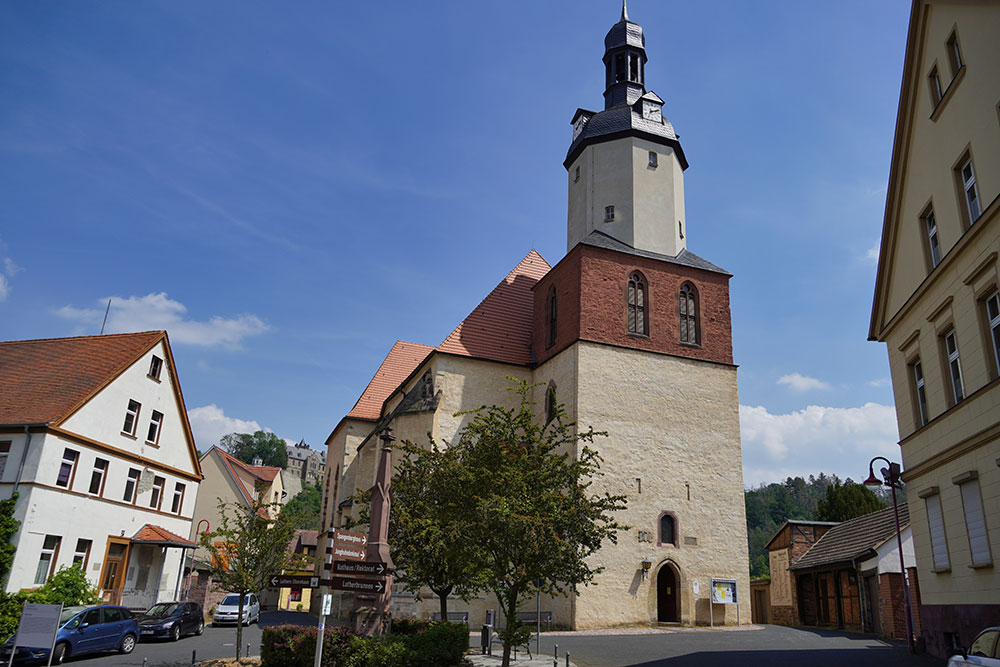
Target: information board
[38, 625]
[723, 591]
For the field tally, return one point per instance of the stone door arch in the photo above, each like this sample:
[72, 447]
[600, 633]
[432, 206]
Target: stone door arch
[668, 595]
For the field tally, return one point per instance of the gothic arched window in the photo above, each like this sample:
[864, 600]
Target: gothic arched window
[668, 529]
[550, 402]
[637, 300]
[552, 318]
[688, 309]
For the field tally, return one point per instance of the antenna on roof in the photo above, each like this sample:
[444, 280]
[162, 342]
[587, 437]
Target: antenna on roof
[106, 311]
[624, 11]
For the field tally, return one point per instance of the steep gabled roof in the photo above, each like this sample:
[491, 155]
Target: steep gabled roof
[500, 327]
[852, 539]
[45, 381]
[241, 473]
[402, 360]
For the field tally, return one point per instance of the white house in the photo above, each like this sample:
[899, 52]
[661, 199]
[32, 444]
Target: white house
[95, 440]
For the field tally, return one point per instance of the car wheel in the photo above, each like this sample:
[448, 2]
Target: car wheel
[201, 628]
[175, 632]
[128, 643]
[60, 653]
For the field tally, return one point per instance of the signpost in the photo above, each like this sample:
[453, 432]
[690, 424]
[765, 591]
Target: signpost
[369, 567]
[357, 585]
[346, 552]
[347, 537]
[293, 581]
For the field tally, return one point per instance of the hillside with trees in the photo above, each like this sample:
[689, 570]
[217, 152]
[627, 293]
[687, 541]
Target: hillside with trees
[822, 498]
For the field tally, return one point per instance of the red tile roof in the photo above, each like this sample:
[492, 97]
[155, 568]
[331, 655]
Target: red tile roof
[150, 534]
[402, 360]
[500, 327]
[234, 465]
[44, 381]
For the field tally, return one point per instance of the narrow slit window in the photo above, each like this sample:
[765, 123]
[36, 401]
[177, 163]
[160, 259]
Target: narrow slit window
[153, 434]
[954, 54]
[553, 317]
[131, 417]
[921, 395]
[993, 319]
[934, 81]
[932, 239]
[576, 174]
[954, 366]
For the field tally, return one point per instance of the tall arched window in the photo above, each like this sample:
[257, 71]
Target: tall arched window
[550, 402]
[668, 529]
[552, 317]
[688, 314]
[638, 322]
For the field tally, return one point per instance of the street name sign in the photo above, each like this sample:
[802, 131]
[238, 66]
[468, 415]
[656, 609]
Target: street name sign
[369, 567]
[359, 585]
[346, 552]
[349, 538]
[293, 581]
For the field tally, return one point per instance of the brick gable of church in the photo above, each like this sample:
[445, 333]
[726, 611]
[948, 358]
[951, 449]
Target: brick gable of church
[590, 285]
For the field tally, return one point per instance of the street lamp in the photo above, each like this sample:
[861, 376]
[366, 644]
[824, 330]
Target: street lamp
[891, 477]
[197, 530]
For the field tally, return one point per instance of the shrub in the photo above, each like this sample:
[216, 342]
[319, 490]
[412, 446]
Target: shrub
[438, 644]
[68, 586]
[408, 626]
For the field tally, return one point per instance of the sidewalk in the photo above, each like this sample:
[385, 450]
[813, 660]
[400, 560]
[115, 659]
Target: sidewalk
[522, 660]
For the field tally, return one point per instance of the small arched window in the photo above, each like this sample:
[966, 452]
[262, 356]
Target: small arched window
[668, 529]
[688, 304]
[638, 322]
[550, 402]
[552, 318]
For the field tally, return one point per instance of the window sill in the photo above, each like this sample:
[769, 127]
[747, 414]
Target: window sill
[696, 345]
[981, 566]
[942, 570]
[152, 444]
[637, 335]
[948, 94]
[153, 378]
[129, 435]
[668, 544]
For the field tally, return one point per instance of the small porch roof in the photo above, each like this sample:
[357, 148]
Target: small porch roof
[150, 534]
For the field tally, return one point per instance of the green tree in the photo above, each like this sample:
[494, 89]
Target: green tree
[847, 501]
[246, 447]
[250, 545]
[8, 528]
[68, 586]
[306, 506]
[537, 518]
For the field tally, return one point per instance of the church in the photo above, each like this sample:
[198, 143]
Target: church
[631, 332]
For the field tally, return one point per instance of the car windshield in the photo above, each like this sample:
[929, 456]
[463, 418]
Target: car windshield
[68, 613]
[232, 600]
[161, 610]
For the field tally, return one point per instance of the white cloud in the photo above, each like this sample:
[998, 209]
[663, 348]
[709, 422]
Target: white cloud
[800, 382]
[879, 382]
[157, 311]
[871, 254]
[4, 288]
[209, 423]
[10, 269]
[816, 439]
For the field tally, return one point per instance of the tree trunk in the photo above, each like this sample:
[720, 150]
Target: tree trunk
[443, 600]
[510, 615]
[239, 627]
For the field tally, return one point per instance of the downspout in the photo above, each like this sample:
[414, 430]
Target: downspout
[24, 453]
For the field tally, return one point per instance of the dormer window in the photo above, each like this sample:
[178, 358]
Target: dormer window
[155, 365]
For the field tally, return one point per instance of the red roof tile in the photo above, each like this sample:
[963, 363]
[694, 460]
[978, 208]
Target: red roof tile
[158, 535]
[402, 360]
[500, 327]
[44, 381]
[233, 464]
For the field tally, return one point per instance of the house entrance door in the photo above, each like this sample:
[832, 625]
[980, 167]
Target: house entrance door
[113, 575]
[666, 595]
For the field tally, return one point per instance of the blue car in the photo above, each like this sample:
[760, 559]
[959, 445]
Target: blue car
[81, 630]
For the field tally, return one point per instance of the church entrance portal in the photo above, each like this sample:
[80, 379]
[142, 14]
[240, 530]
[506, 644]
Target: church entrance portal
[666, 595]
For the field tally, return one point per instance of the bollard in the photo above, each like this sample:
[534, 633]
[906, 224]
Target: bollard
[248, 649]
[194, 657]
[555, 656]
[567, 658]
[144, 662]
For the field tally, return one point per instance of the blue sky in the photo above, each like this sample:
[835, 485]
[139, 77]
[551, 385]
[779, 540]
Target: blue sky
[288, 189]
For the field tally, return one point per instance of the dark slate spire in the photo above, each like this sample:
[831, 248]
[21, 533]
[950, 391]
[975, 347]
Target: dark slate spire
[624, 62]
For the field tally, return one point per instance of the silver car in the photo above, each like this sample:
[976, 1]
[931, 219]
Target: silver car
[228, 611]
[985, 650]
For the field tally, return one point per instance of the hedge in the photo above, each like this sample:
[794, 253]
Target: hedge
[423, 645]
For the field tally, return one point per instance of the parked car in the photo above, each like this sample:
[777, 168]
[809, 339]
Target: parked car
[985, 650]
[228, 610]
[171, 620]
[81, 630]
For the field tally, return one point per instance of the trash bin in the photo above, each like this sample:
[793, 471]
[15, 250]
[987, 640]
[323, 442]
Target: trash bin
[486, 636]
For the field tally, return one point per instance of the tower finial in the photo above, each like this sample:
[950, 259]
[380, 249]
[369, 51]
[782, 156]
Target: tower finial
[624, 11]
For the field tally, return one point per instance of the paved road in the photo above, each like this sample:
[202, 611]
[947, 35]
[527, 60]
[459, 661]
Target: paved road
[769, 646]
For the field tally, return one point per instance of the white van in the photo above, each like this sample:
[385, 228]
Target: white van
[228, 610]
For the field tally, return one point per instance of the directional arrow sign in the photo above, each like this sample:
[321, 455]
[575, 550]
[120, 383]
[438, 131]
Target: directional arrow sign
[349, 538]
[293, 581]
[346, 552]
[370, 567]
[359, 585]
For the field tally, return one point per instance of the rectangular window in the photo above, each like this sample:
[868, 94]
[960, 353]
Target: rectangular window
[576, 175]
[155, 365]
[935, 87]
[4, 453]
[157, 496]
[932, 239]
[954, 367]
[917, 374]
[652, 159]
[131, 417]
[935, 521]
[967, 175]
[954, 54]
[295, 595]
[178, 501]
[975, 525]
[47, 560]
[131, 484]
[153, 434]
[82, 553]
[993, 323]
[609, 213]
[67, 468]
[97, 477]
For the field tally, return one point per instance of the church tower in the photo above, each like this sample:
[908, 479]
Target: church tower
[625, 163]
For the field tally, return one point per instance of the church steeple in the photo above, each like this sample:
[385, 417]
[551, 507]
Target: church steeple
[624, 62]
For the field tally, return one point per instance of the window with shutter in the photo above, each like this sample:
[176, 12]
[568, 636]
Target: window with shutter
[975, 525]
[935, 521]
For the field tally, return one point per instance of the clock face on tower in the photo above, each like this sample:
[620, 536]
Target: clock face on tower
[652, 111]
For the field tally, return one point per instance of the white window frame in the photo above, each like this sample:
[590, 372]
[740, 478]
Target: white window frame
[939, 539]
[98, 476]
[921, 394]
[653, 159]
[131, 417]
[975, 523]
[993, 322]
[156, 495]
[932, 238]
[971, 191]
[176, 505]
[155, 367]
[954, 366]
[609, 213]
[937, 92]
[4, 453]
[155, 425]
[47, 556]
[82, 556]
[70, 458]
[131, 485]
[955, 54]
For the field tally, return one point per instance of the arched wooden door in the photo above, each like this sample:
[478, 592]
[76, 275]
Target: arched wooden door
[666, 595]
